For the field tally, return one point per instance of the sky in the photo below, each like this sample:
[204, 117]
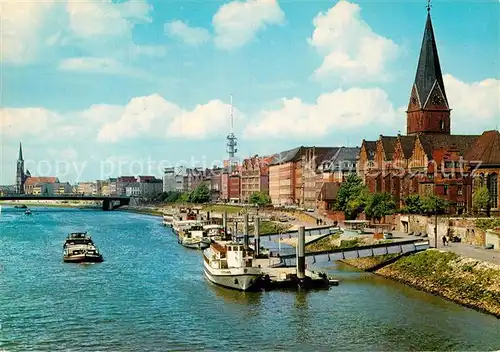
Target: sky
[95, 89]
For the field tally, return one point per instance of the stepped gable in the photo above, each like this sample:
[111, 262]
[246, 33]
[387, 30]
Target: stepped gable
[389, 145]
[407, 144]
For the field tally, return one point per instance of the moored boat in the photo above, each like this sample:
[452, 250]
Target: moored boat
[215, 232]
[27, 212]
[194, 237]
[230, 265]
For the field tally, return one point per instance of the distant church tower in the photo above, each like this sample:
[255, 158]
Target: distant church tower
[20, 176]
[428, 109]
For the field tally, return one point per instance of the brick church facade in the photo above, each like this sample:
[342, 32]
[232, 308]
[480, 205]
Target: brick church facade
[429, 159]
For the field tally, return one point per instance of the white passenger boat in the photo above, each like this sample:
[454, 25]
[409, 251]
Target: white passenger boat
[230, 265]
[194, 237]
[168, 219]
[179, 225]
[215, 232]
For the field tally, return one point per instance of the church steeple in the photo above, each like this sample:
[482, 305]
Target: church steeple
[20, 175]
[20, 157]
[428, 109]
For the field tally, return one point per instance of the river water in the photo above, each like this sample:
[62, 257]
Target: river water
[150, 295]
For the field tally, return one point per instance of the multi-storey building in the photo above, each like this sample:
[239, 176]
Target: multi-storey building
[123, 182]
[254, 176]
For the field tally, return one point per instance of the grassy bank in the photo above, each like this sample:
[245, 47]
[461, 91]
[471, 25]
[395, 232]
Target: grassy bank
[142, 210]
[466, 281]
[217, 208]
[268, 227]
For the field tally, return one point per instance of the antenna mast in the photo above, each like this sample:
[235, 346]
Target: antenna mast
[232, 141]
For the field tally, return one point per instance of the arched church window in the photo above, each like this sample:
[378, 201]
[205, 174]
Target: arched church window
[492, 185]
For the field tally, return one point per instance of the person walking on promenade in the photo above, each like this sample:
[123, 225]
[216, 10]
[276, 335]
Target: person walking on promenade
[444, 240]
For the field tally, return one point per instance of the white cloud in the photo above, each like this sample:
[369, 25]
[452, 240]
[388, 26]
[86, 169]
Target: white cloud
[29, 122]
[237, 22]
[142, 116]
[350, 48]
[475, 106]
[25, 34]
[336, 111]
[203, 121]
[104, 18]
[190, 35]
[37, 30]
[107, 66]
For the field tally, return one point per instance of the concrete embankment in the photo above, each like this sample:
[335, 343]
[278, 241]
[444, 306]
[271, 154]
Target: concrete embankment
[466, 281]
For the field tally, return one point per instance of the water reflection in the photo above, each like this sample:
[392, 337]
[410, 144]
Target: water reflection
[234, 296]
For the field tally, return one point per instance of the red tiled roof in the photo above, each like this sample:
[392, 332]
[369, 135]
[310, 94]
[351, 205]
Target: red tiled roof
[486, 148]
[31, 181]
[461, 143]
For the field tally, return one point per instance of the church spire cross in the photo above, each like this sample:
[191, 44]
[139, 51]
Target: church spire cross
[429, 6]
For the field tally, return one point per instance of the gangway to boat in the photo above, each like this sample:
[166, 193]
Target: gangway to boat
[313, 231]
[397, 247]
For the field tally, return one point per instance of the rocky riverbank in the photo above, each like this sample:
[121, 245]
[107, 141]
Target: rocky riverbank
[466, 281]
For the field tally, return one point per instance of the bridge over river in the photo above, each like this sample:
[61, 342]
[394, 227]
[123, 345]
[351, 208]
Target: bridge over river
[108, 202]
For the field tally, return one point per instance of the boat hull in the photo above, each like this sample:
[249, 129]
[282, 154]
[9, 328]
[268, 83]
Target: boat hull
[196, 245]
[83, 259]
[234, 280]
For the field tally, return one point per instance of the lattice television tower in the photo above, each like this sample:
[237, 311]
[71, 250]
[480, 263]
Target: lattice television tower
[232, 141]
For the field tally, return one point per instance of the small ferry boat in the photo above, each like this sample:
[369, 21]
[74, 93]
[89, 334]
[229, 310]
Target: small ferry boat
[27, 212]
[180, 225]
[82, 253]
[215, 232]
[194, 237]
[230, 265]
[21, 206]
[79, 248]
[78, 238]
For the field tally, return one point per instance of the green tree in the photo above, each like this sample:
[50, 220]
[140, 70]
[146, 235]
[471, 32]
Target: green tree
[413, 204]
[351, 196]
[433, 205]
[380, 205]
[184, 197]
[259, 198]
[201, 194]
[482, 200]
[172, 197]
[358, 204]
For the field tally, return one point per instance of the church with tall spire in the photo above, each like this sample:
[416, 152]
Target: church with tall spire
[21, 175]
[429, 159]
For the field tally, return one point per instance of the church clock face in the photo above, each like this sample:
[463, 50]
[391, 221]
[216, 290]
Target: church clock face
[436, 99]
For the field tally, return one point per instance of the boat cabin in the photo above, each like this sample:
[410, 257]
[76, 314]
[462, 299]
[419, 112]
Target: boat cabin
[78, 238]
[231, 255]
[194, 231]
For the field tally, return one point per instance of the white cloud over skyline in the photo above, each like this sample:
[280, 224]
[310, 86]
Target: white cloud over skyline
[238, 22]
[351, 50]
